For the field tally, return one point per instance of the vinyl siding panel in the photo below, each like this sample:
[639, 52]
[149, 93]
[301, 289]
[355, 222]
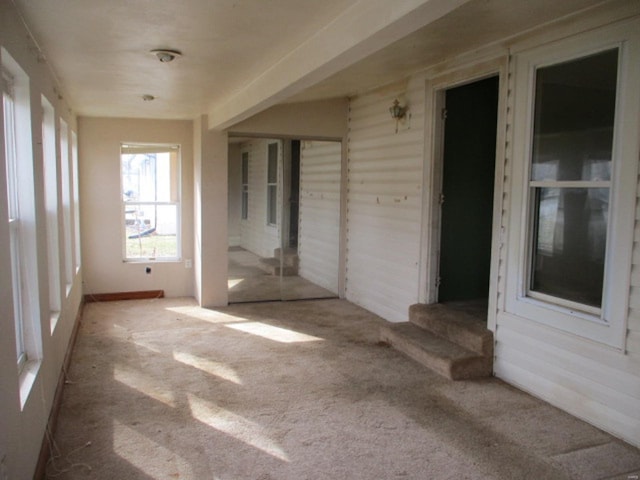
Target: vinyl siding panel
[590, 380]
[319, 220]
[384, 201]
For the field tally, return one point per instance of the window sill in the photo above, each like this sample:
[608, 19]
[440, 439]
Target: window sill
[27, 379]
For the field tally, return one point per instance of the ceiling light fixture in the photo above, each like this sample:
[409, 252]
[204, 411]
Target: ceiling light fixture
[148, 98]
[166, 56]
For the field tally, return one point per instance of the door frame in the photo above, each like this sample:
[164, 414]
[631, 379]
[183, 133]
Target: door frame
[436, 88]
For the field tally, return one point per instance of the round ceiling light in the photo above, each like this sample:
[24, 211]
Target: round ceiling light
[148, 98]
[166, 56]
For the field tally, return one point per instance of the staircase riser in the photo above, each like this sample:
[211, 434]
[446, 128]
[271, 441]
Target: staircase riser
[475, 367]
[481, 343]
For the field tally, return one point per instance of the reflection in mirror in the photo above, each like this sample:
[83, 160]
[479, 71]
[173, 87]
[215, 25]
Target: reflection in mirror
[284, 219]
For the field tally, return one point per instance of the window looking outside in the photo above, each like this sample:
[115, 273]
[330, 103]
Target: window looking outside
[245, 185]
[14, 215]
[272, 184]
[65, 170]
[51, 205]
[150, 177]
[570, 178]
[76, 200]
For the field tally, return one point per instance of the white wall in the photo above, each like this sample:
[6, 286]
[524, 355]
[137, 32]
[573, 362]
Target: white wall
[22, 429]
[99, 146]
[319, 214]
[385, 200]
[210, 183]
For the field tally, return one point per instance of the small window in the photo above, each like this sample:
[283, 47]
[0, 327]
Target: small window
[21, 219]
[151, 202]
[245, 185]
[15, 233]
[50, 164]
[76, 201]
[272, 184]
[570, 179]
[67, 185]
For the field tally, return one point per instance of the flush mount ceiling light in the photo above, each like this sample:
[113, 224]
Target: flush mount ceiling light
[166, 56]
[148, 98]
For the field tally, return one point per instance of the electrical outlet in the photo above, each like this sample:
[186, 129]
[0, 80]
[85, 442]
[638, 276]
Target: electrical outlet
[188, 263]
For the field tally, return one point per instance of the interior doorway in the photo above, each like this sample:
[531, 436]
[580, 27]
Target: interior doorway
[468, 170]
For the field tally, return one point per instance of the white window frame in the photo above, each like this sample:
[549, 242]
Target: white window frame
[606, 325]
[76, 202]
[272, 185]
[25, 256]
[13, 208]
[178, 204]
[50, 167]
[67, 195]
[244, 201]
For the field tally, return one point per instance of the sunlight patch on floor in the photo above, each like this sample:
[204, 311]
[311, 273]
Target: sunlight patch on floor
[235, 426]
[277, 334]
[198, 313]
[144, 384]
[209, 366]
[147, 455]
[234, 282]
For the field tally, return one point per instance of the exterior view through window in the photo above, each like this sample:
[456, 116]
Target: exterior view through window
[571, 177]
[151, 201]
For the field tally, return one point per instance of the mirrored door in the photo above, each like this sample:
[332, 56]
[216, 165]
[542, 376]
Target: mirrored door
[284, 219]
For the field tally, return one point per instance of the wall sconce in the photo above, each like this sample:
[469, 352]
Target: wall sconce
[398, 112]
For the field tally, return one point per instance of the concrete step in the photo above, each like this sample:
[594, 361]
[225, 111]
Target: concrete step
[436, 353]
[455, 323]
[272, 267]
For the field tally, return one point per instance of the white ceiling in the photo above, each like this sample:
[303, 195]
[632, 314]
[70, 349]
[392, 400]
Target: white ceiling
[99, 49]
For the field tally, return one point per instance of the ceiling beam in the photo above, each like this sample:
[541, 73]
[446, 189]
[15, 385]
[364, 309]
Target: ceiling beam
[364, 28]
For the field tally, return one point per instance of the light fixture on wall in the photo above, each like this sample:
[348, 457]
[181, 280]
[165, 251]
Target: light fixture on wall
[398, 112]
[166, 56]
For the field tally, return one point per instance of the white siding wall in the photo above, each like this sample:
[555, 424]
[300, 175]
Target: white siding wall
[384, 201]
[589, 380]
[256, 235]
[319, 230]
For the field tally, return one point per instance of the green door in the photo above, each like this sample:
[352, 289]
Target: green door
[467, 188]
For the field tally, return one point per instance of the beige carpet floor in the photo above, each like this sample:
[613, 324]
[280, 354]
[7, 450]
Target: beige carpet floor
[161, 389]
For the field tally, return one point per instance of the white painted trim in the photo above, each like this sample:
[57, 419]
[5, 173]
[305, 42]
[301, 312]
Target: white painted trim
[612, 330]
[432, 177]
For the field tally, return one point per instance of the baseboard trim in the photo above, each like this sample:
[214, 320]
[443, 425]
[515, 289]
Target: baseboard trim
[113, 297]
[45, 449]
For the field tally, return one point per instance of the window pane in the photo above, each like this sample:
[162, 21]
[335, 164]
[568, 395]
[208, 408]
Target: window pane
[569, 243]
[272, 175]
[245, 168]
[151, 231]
[574, 114]
[245, 204]
[272, 204]
[150, 177]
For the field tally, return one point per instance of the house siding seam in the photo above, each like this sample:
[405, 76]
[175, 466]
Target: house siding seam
[319, 217]
[384, 200]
